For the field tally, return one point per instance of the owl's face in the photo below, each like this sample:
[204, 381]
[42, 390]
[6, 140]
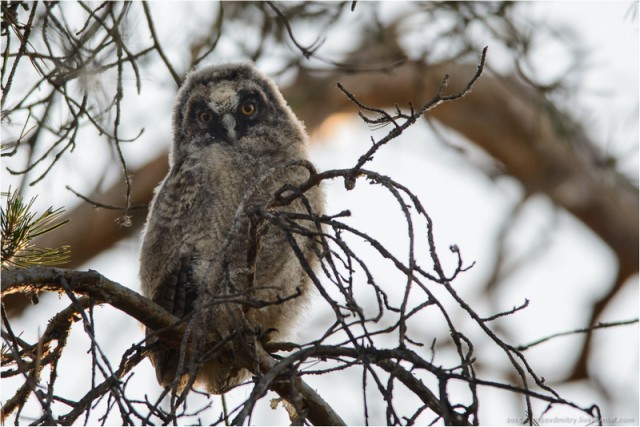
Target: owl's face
[232, 105]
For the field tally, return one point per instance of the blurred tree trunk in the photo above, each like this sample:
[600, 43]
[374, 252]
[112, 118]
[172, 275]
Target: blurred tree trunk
[506, 119]
[537, 145]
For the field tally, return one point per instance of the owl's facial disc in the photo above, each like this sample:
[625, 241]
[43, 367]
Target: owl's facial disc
[225, 115]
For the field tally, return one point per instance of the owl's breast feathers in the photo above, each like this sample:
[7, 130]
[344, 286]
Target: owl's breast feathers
[194, 208]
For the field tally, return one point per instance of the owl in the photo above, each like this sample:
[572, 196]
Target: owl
[203, 257]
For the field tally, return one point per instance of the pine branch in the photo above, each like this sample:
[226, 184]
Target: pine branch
[20, 226]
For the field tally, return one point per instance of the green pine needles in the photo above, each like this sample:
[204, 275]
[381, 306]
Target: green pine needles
[20, 227]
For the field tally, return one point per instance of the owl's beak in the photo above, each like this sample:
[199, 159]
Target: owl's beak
[229, 124]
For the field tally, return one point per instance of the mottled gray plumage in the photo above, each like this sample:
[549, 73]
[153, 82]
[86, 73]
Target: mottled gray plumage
[233, 134]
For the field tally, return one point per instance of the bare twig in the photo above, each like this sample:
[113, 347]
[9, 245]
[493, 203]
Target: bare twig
[600, 325]
[158, 46]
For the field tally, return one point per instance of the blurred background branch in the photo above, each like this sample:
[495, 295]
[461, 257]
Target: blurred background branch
[75, 75]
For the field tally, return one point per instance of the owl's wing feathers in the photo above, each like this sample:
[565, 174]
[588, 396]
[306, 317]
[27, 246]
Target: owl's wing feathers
[177, 294]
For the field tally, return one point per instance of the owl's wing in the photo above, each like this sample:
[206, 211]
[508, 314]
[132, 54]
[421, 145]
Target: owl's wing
[177, 294]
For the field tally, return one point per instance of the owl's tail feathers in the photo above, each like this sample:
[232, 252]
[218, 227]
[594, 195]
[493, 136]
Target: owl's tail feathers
[165, 361]
[217, 376]
[221, 375]
[166, 364]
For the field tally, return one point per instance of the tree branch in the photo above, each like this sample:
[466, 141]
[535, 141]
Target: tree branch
[171, 329]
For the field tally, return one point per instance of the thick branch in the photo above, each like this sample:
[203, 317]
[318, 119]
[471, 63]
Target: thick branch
[90, 283]
[502, 117]
[513, 124]
[318, 411]
[103, 290]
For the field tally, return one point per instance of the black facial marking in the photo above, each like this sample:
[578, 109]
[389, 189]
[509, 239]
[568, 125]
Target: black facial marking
[207, 127]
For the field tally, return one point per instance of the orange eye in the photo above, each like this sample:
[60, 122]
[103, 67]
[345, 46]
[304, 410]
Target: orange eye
[248, 108]
[205, 116]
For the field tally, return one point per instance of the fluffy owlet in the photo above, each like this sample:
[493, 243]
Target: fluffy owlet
[234, 137]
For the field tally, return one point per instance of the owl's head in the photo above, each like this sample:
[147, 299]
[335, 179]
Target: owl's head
[234, 105]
